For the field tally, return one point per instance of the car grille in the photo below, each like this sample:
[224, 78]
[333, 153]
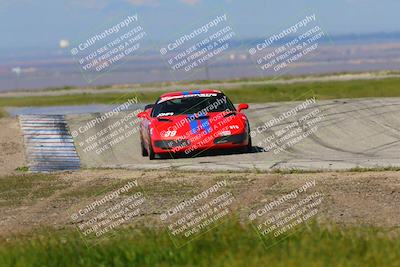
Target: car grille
[235, 138]
[168, 144]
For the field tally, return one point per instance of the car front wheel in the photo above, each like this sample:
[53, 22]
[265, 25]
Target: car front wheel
[247, 148]
[144, 150]
[151, 153]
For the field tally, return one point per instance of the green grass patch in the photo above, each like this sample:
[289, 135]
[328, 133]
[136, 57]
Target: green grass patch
[321, 90]
[101, 187]
[22, 169]
[377, 169]
[78, 99]
[230, 80]
[16, 189]
[253, 94]
[230, 244]
[3, 113]
[355, 169]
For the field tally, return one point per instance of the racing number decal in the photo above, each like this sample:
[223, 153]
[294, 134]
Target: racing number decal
[170, 133]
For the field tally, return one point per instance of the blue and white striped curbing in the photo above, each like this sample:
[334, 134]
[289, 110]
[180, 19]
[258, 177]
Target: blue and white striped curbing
[49, 145]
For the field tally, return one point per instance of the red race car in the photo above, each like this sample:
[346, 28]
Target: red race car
[188, 122]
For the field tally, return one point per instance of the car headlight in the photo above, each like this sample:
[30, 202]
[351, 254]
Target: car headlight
[225, 133]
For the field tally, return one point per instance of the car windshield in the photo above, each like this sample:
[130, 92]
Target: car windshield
[192, 104]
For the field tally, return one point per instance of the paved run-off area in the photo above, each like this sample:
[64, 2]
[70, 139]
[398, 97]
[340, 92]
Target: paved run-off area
[331, 134]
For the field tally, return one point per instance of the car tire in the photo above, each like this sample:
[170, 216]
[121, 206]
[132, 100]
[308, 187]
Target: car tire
[249, 146]
[151, 153]
[144, 150]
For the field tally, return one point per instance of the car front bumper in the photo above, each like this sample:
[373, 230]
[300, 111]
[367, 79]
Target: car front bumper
[186, 146]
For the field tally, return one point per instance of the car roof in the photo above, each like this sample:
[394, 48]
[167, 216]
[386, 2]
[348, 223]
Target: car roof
[195, 92]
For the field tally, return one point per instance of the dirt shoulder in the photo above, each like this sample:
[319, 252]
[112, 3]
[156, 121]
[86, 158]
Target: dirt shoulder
[31, 201]
[11, 146]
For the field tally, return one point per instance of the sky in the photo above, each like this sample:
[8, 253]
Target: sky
[42, 23]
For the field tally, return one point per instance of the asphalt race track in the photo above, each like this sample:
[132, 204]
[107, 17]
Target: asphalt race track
[332, 134]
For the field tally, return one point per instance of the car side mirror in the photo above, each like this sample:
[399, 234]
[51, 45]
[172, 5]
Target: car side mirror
[242, 107]
[148, 106]
[143, 115]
